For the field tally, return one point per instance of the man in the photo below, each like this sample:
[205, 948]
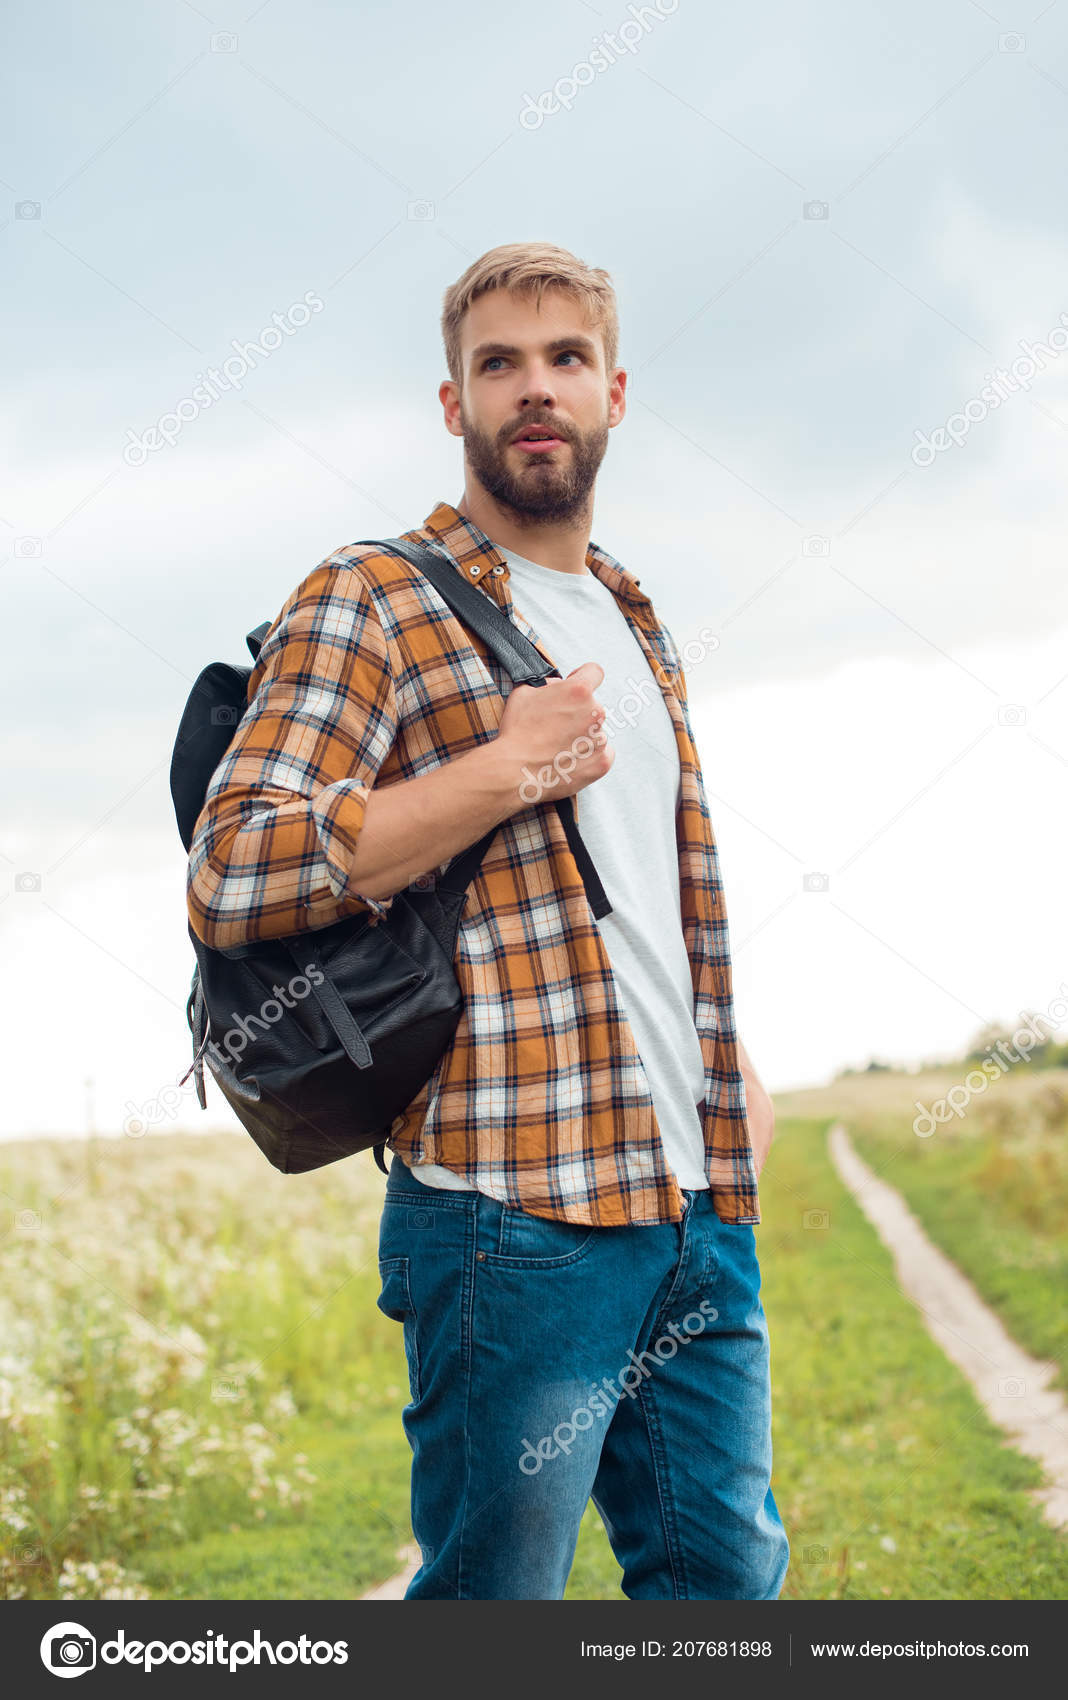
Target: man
[567, 1234]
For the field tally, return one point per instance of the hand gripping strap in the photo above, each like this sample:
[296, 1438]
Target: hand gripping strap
[525, 665]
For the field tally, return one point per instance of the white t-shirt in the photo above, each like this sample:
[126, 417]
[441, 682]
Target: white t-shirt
[627, 821]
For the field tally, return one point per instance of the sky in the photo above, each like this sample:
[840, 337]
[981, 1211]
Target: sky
[838, 239]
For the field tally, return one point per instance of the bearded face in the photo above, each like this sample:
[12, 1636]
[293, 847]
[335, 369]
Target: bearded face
[532, 484]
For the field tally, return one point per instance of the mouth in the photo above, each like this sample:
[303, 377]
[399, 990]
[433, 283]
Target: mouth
[537, 441]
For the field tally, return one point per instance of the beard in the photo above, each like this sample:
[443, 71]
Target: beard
[544, 488]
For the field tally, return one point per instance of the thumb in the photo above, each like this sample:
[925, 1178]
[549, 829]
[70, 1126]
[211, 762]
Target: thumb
[591, 674]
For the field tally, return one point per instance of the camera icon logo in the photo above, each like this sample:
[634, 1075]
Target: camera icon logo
[420, 209]
[816, 546]
[1011, 43]
[1011, 1387]
[224, 42]
[27, 882]
[233, 1388]
[814, 1555]
[28, 548]
[816, 209]
[27, 209]
[816, 1219]
[1012, 714]
[68, 1649]
[224, 715]
[814, 882]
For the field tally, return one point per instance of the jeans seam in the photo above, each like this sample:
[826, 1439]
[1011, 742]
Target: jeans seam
[680, 1267]
[663, 1492]
[466, 1355]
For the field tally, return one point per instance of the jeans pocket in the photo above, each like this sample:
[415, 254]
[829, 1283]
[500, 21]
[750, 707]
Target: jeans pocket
[395, 1301]
[536, 1242]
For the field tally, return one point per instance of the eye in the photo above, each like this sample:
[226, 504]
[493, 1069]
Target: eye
[492, 360]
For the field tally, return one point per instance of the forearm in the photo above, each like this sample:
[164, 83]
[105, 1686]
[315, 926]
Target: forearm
[412, 827]
[745, 1061]
[296, 862]
[759, 1106]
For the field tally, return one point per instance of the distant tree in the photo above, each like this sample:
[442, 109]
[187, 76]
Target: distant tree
[984, 1041]
[1045, 1054]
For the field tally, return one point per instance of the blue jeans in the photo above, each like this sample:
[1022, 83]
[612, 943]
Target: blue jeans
[550, 1363]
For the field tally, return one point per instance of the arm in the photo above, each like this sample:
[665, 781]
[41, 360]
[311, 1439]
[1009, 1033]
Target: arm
[761, 1110]
[421, 823]
[291, 836]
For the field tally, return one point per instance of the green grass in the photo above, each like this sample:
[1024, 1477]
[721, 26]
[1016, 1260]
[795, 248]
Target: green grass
[886, 1468]
[994, 1200]
[346, 1539]
[202, 1398]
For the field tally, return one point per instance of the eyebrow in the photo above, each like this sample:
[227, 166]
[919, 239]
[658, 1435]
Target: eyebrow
[557, 346]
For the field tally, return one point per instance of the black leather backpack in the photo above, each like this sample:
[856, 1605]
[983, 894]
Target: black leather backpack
[369, 1005]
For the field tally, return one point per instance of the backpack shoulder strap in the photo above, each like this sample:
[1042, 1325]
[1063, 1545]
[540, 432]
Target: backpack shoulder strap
[517, 655]
[526, 666]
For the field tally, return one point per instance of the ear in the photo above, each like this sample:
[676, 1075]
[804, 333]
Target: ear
[449, 396]
[617, 396]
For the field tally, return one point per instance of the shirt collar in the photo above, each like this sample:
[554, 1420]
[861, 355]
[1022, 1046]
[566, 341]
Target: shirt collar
[470, 547]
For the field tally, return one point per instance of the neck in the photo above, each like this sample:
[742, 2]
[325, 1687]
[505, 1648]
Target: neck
[561, 544]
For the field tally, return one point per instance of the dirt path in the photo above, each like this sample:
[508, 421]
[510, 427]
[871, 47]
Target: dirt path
[1012, 1385]
[394, 1586]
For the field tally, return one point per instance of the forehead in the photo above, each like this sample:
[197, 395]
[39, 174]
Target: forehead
[504, 315]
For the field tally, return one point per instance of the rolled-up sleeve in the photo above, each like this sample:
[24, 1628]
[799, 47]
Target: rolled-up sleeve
[275, 840]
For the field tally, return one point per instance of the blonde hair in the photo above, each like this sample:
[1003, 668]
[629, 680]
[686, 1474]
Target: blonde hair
[529, 268]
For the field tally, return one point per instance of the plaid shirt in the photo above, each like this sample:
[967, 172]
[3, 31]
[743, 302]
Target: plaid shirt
[540, 1100]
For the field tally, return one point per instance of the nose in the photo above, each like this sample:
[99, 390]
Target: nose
[538, 389]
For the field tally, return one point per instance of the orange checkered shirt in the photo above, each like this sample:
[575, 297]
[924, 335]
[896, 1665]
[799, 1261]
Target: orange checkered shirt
[365, 679]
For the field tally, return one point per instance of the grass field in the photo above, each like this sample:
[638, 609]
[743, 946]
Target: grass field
[199, 1398]
[989, 1186]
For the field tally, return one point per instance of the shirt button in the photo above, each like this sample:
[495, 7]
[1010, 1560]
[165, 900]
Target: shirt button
[497, 571]
[474, 571]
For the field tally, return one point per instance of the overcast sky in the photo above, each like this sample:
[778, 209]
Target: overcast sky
[829, 227]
